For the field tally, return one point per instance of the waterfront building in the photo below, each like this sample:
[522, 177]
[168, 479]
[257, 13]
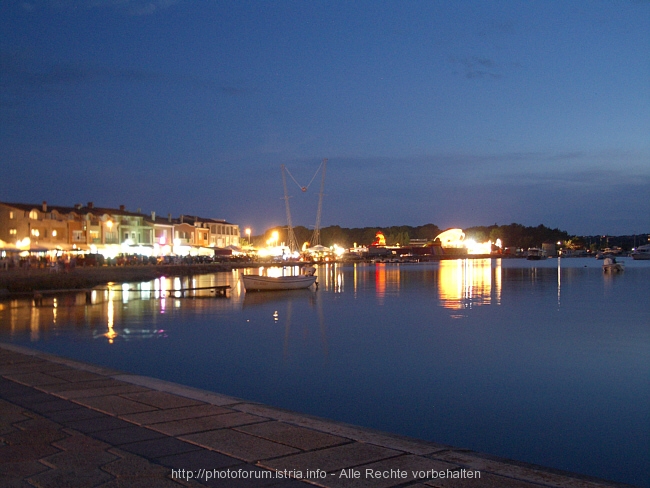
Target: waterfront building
[109, 231]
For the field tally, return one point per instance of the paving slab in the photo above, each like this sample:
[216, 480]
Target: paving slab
[332, 459]
[97, 424]
[75, 375]
[163, 446]
[114, 404]
[237, 444]
[168, 415]
[201, 424]
[160, 399]
[34, 379]
[293, 435]
[80, 385]
[127, 435]
[99, 392]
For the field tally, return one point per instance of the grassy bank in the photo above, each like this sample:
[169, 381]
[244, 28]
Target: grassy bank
[28, 280]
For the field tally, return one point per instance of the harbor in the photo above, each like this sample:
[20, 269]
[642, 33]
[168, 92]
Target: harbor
[429, 351]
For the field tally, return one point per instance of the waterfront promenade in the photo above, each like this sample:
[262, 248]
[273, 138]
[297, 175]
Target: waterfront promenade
[65, 424]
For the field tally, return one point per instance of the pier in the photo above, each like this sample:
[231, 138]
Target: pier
[218, 290]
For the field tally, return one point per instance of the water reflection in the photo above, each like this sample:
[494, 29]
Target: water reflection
[459, 285]
[114, 310]
[464, 283]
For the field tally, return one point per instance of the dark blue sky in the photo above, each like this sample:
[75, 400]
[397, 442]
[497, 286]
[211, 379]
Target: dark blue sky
[452, 113]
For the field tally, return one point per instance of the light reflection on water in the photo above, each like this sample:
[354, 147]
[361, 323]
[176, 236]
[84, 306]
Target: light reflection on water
[546, 362]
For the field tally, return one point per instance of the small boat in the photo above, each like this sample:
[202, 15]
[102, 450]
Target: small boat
[534, 254]
[610, 265]
[641, 253]
[269, 283]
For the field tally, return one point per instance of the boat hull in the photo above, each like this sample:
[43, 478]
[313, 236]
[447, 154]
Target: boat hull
[267, 283]
[613, 268]
[641, 256]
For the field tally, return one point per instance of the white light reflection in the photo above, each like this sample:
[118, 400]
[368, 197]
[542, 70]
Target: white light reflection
[110, 320]
[125, 293]
[559, 281]
[33, 324]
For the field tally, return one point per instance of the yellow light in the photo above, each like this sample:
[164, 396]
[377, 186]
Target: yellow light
[109, 224]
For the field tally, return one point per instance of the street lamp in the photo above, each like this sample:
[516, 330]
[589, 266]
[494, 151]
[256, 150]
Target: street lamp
[248, 235]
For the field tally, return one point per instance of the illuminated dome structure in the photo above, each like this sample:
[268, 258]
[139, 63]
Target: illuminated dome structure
[452, 238]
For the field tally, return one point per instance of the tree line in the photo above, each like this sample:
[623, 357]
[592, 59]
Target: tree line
[512, 235]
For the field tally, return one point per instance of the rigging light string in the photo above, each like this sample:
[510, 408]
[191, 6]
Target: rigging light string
[304, 188]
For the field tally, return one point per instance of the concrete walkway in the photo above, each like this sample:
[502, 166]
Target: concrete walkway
[68, 424]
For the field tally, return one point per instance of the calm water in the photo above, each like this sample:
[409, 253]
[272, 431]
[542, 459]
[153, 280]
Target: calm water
[546, 362]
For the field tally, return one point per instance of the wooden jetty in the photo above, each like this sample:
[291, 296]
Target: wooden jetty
[219, 291]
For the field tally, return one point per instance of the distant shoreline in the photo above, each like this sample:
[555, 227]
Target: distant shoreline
[25, 281]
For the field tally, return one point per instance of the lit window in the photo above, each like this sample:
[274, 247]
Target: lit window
[53, 233]
[11, 215]
[33, 215]
[35, 232]
[12, 232]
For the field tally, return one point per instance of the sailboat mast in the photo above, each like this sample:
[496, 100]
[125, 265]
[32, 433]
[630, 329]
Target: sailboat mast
[291, 238]
[315, 238]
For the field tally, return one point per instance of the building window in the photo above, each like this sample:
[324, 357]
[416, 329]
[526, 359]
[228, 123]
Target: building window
[33, 215]
[35, 232]
[11, 215]
[12, 232]
[77, 236]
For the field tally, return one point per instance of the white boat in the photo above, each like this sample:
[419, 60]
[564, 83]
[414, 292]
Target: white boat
[535, 254]
[641, 253]
[268, 283]
[611, 266]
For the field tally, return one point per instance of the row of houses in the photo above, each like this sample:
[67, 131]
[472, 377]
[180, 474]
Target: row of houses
[110, 231]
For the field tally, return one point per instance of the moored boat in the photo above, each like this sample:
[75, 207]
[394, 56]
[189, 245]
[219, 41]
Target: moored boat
[270, 283]
[610, 265]
[534, 254]
[641, 253]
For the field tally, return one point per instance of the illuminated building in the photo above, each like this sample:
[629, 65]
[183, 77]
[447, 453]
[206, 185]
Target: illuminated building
[108, 231]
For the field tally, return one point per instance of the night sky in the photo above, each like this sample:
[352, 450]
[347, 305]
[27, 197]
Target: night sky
[452, 113]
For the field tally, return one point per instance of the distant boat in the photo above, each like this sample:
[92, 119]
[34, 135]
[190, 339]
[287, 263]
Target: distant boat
[534, 254]
[269, 283]
[641, 253]
[611, 266]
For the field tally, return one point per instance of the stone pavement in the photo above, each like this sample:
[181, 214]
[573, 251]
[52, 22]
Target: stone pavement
[68, 424]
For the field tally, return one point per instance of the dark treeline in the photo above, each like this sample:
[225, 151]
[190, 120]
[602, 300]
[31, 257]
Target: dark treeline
[512, 235]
